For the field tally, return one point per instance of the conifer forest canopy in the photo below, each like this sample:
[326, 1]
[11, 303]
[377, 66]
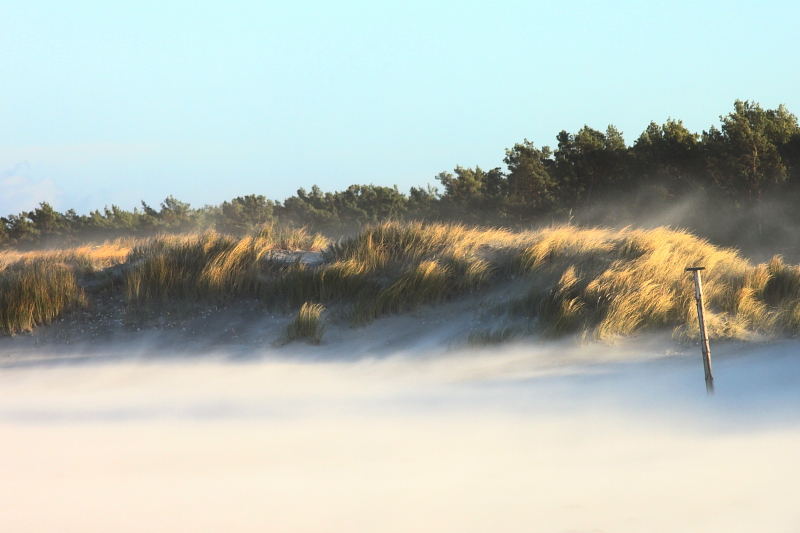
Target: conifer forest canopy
[746, 169]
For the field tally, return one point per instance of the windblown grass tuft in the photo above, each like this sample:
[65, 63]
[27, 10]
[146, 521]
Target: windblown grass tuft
[34, 292]
[86, 259]
[605, 283]
[308, 324]
[208, 266]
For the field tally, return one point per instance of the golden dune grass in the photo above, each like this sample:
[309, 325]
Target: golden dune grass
[308, 324]
[34, 292]
[88, 256]
[594, 282]
[208, 265]
[606, 283]
[38, 286]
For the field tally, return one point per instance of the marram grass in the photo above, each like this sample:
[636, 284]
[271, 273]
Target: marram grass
[34, 292]
[207, 266]
[308, 324]
[38, 286]
[604, 283]
[591, 282]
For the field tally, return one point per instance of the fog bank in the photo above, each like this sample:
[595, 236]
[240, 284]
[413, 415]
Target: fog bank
[536, 437]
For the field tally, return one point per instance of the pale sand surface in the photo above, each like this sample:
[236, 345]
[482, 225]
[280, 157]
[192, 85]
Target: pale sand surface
[360, 435]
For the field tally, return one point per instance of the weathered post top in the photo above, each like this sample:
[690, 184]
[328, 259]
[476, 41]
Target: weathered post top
[694, 269]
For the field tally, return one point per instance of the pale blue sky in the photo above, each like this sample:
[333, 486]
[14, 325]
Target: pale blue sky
[115, 102]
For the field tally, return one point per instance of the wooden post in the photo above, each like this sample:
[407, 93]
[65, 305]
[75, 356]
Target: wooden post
[698, 296]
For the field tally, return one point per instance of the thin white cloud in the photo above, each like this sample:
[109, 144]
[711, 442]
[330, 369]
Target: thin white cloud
[21, 192]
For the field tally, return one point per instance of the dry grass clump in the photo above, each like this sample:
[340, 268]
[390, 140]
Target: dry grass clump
[308, 324]
[34, 292]
[605, 283]
[37, 286]
[86, 258]
[341, 282]
[289, 239]
[206, 266]
[169, 268]
[395, 244]
[387, 268]
[781, 289]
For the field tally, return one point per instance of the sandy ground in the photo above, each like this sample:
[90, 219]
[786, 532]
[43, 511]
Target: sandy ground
[243, 329]
[396, 427]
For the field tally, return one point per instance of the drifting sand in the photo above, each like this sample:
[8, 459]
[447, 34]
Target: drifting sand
[361, 435]
[244, 329]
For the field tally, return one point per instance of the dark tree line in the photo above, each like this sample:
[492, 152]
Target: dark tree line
[752, 157]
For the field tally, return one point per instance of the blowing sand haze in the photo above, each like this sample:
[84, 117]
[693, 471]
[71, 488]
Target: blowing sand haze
[542, 437]
[409, 378]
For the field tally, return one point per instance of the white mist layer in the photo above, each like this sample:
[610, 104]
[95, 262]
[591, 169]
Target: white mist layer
[529, 438]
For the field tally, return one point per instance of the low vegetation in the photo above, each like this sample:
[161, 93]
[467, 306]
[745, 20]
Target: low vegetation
[308, 324]
[561, 280]
[605, 283]
[35, 291]
[207, 266]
